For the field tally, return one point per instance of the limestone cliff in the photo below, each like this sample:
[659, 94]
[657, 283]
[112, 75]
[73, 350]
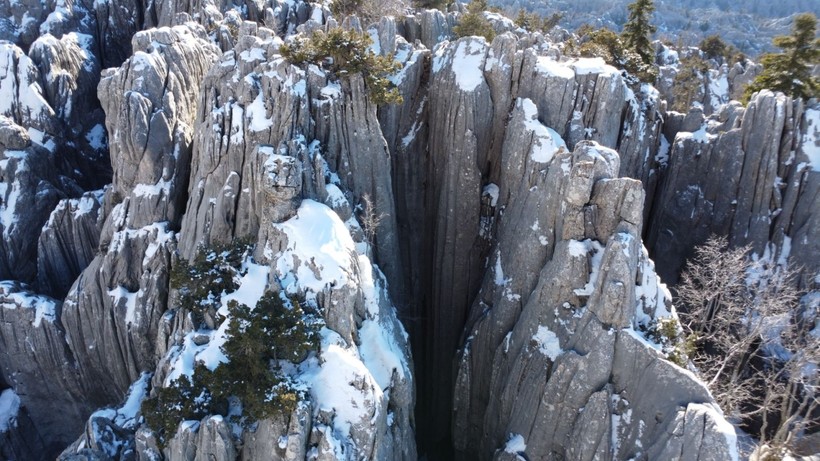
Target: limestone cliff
[513, 189]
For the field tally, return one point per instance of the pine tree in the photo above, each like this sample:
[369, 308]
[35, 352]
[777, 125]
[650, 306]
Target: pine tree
[790, 70]
[637, 29]
[688, 86]
[473, 22]
[347, 52]
[714, 47]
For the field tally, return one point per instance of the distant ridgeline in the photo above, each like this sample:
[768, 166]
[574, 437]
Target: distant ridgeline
[748, 25]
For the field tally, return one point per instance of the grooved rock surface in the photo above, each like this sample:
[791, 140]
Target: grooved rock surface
[552, 346]
[20, 438]
[264, 172]
[112, 313]
[754, 183]
[463, 112]
[499, 211]
[68, 243]
[35, 360]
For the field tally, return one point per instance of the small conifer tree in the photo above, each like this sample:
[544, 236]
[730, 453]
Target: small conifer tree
[638, 30]
[790, 70]
[437, 4]
[606, 44]
[473, 22]
[714, 47]
[688, 86]
[532, 22]
[347, 52]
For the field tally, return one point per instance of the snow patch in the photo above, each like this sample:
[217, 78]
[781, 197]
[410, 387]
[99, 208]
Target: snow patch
[811, 139]
[499, 271]
[96, 137]
[319, 251]
[44, 308]
[515, 444]
[253, 54]
[332, 90]
[546, 142]
[718, 88]
[9, 407]
[662, 157]
[86, 203]
[162, 187]
[9, 194]
[491, 190]
[595, 264]
[257, 115]
[468, 64]
[379, 350]
[127, 416]
[652, 298]
[553, 68]
[122, 297]
[577, 249]
[584, 66]
[700, 136]
[335, 197]
[341, 383]
[548, 343]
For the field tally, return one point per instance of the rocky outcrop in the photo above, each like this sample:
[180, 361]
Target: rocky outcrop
[20, 23]
[68, 243]
[266, 158]
[225, 201]
[717, 81]
[19, 437]
[96, 339]
[151, 102]
[261, 173]
[29, 188]
[751, 178]
[551, 346]
[464, 115]
[35, 362]
[112, 313]
[23, 99]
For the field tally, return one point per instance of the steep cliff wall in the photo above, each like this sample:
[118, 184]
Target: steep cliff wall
[510, 236]
[749, 174]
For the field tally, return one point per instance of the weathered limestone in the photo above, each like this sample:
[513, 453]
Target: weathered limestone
[753, 183]
[546, 336]
[68, 243]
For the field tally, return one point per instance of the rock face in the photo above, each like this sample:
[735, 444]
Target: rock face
[68, 243]
[463, 114]
[552, 346]
[717, 84]
[261, 174]
[127, 284]
[30, 190]
[35, 360]
[750, 176]
[19, 437]
[492, 210]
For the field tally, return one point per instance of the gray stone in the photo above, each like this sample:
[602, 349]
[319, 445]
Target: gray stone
[749, 183]
[68, 243]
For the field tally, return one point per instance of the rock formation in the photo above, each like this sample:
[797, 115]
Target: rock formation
[766, 194]
[499, 211]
